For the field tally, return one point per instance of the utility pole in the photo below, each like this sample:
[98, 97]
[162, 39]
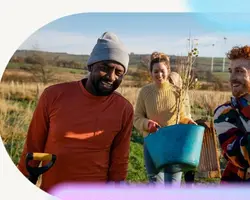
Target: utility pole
[224, 58]
[196, 44]
[212, 61]
[191, 42]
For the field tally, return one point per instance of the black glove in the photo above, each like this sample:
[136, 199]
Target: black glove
[245, 141]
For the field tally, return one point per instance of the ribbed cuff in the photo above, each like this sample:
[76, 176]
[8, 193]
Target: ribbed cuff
[145, 124]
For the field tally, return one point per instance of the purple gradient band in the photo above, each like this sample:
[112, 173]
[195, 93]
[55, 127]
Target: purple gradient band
[124, 192]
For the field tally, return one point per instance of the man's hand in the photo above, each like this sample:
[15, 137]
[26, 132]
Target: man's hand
[153, 126]
[245, 141]
[245, 147]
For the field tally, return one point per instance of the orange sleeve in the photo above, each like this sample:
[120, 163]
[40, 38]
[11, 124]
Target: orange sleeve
[37, 133]
[119, 155]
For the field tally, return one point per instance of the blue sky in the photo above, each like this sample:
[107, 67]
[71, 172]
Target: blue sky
[232, 6]
[147, 32]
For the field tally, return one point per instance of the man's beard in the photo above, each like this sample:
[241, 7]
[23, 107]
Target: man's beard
[245, 89]
[248, 87]
[104, 88]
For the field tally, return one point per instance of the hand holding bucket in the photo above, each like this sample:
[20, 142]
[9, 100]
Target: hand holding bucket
[153, 126]
[177, 145]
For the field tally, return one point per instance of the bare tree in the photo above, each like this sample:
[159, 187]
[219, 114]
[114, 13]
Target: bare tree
[38, 67]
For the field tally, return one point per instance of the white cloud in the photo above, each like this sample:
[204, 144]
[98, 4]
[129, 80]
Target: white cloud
[221, 46]
[69, 42]
[77, 43]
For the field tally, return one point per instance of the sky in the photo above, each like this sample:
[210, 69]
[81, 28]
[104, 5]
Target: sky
[144, 33]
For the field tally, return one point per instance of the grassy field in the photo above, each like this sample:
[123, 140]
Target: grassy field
[17, 102]
[19, 95]
[224, 76]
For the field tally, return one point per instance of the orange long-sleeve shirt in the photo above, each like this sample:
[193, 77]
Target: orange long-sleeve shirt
[90, 135]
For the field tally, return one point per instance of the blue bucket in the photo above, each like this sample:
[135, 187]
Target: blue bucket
[176, 148]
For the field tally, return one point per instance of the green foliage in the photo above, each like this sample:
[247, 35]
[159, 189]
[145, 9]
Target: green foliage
[136, 169]
[14, 139]
[14, 147]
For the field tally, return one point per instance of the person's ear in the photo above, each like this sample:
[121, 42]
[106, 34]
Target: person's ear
[90, 68]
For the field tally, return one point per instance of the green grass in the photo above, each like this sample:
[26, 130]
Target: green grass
[16, 125]
[199, 113]
[136, 169]
[11, 65]
[223, 76]
[70, 70]
[54, 68]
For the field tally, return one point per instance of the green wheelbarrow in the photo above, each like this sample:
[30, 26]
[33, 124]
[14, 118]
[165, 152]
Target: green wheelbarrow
[35, 172]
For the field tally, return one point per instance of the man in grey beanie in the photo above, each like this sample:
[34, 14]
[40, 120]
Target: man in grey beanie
[85, 123]
[108, 56]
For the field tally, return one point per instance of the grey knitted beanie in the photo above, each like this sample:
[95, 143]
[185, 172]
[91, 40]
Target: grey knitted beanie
[109, 47]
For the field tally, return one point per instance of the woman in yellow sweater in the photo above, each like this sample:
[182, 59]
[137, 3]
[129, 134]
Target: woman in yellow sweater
[156, 107]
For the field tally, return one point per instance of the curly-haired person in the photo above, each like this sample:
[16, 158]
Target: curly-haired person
[232, 119]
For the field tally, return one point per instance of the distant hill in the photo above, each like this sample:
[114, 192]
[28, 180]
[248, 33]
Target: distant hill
[51, 55]
[202, 63]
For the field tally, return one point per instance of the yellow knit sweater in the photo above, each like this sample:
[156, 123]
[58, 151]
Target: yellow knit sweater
[158, 103]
